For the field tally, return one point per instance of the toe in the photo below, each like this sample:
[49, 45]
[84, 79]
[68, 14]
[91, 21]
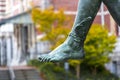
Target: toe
[41, 58]
[47, 59]
[44, 57]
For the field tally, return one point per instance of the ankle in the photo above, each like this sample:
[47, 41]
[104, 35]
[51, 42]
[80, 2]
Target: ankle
[74, 42]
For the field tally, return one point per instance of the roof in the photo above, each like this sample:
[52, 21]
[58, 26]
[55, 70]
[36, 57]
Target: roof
[21, 18]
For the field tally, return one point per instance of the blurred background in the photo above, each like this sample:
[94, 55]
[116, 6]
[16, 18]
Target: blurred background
[29, 28]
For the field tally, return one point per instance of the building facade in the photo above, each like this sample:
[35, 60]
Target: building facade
[2, 8]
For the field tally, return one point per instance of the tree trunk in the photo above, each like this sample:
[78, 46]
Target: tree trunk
[78, 72]
[94, 71]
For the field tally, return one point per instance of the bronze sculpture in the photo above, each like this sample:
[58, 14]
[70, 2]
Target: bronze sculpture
[73, 46]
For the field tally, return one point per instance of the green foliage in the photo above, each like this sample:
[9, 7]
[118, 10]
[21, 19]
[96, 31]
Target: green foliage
[54, 25]
[98, 46]
[101, 75]
[52, 71]
[74, 63]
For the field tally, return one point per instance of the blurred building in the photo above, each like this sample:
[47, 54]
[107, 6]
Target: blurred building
[17, 32]
[10, 8]
[2, 8]
[17, 40]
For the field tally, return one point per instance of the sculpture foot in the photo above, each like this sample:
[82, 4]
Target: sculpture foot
[63, 53]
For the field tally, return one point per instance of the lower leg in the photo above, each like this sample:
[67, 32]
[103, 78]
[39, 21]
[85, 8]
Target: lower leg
[72, 48]
[114, 9]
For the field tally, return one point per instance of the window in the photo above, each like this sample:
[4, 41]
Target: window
[45, 4]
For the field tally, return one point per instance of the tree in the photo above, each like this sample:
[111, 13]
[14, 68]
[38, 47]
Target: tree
[98, 46]
[53, 25]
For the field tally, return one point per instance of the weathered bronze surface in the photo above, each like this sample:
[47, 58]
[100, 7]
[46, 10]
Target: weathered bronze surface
[73, 46]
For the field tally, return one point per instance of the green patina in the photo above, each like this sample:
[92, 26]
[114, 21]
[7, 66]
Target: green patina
[73, 47]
